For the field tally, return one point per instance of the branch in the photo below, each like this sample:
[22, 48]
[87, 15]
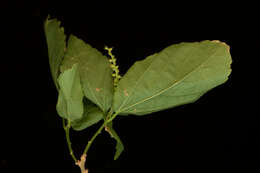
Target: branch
[94, 137]
[81, 163]
[67, 131]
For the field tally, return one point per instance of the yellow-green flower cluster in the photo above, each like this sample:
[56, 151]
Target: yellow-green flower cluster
[114, 67]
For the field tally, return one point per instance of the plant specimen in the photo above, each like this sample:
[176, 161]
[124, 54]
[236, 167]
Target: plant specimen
[91, 89]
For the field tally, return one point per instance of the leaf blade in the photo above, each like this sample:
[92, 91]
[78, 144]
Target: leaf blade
[55, 38]
[95, 72]
[92, 115]
[70, 101]
[178, 75]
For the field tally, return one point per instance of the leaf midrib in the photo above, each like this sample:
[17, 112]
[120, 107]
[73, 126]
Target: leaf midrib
[156, 108]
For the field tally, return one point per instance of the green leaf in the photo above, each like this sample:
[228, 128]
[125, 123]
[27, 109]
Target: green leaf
[177, 75]
[56, 46]
[70, 100]
[119, 144]
[62, 105]
[92, 115]
[95, 72]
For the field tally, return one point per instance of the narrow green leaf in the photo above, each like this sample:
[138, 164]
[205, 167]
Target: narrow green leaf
[177, 75]
[92, 115]
[56, 46]
[70, 101]
[119, 144]
[95, 72]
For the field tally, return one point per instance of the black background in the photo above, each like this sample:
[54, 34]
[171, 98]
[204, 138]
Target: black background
[218, 133]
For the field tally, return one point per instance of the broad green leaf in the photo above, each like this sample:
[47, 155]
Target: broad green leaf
[62, 105]
[70, 100]
[92, 114]
[56, 46]
[119, 144]
[177, 75]
[94, 69]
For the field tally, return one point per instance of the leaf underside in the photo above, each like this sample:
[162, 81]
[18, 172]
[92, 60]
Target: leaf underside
[92, 115]
[78, 71]
[177, 75]
[94, 69]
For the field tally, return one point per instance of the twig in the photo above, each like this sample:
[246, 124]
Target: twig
[67, 131]
[81, 163]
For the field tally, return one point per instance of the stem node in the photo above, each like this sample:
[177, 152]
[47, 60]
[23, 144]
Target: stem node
[81, 163]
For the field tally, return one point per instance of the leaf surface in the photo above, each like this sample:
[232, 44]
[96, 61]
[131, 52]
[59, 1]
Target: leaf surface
[177, 75]
[70, 100]
[56, 46]
[94, 69]
[92, 115]
[61, 106]
[119, 144]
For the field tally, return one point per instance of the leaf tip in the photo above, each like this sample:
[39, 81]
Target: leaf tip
[223, 43]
